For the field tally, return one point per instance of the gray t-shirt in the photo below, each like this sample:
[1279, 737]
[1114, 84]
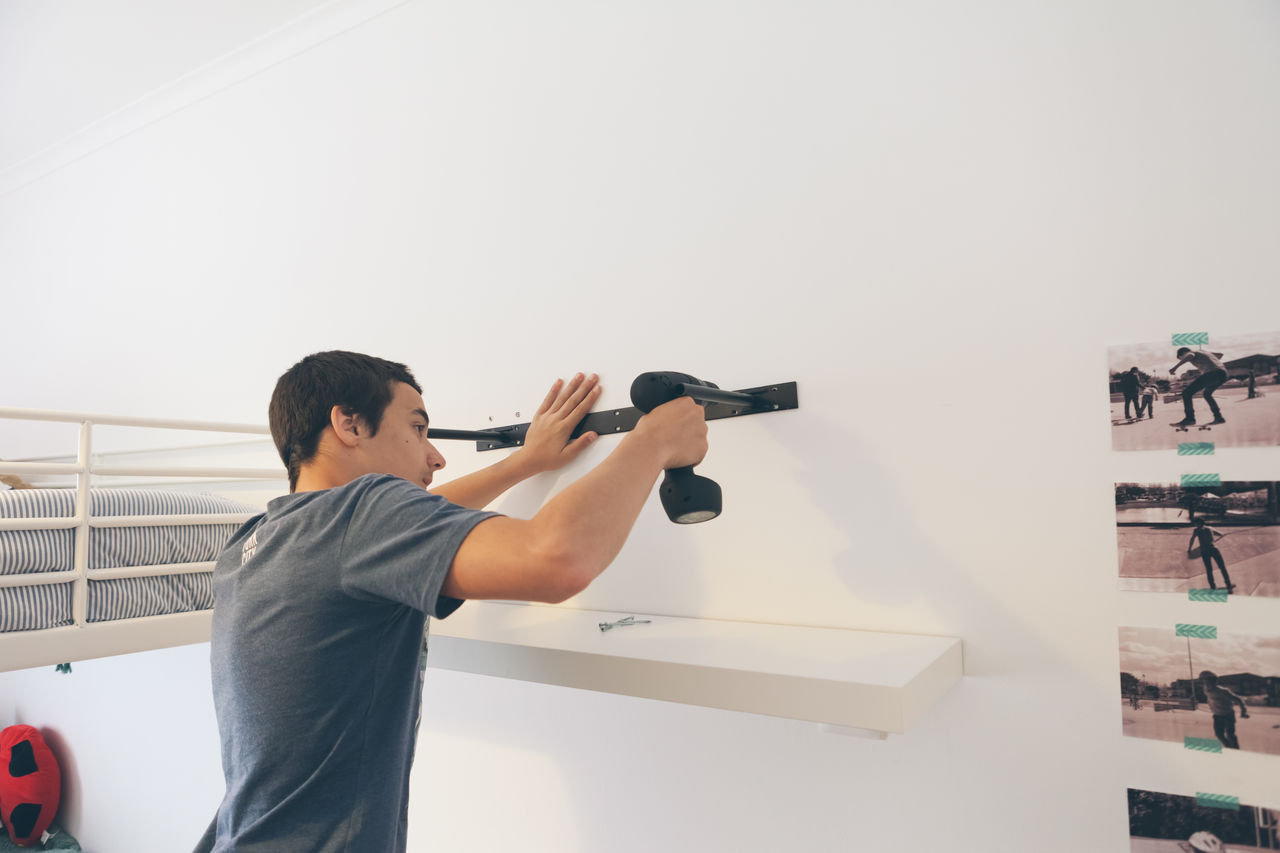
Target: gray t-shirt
[320, 607]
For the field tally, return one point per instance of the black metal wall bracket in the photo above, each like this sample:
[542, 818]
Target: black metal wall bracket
[719, 404]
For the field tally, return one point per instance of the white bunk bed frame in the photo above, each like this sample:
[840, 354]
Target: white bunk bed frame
[84, 640]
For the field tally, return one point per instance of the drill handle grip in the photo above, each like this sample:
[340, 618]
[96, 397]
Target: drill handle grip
[686, 497]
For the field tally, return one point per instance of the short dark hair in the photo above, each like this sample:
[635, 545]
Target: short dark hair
[308, 391]
[1183, 351]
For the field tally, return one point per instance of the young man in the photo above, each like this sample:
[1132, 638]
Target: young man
[1212, 374]
[1209, 553]
[1222, 704]
[321, 603]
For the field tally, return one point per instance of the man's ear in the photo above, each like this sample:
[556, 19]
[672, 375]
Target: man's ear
[346, 425]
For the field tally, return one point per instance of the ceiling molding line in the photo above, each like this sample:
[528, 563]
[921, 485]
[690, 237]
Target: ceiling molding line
[274, 47]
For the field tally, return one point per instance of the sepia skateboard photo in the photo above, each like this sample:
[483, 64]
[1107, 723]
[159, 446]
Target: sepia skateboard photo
[1214, 386]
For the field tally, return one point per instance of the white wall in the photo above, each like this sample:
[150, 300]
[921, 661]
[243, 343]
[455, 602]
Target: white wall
[934, 217]
[136, 741]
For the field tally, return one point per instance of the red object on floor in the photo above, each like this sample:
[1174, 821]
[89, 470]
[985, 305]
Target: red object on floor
[30, 784]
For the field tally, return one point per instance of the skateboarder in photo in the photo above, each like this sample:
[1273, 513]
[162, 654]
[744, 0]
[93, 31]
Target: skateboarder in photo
[1208, 538]
[1147, 400]
[1212, 374]
[1222, 704]
[1130, 383]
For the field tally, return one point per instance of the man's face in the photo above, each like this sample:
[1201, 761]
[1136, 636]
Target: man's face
[400, 446]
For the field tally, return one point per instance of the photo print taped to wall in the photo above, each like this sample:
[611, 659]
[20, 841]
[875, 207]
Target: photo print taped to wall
[1174, 538]
[1205, 823]
[1224, 392]
[1203, 689]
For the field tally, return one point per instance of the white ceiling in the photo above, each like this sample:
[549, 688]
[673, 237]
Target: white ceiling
[65, 64]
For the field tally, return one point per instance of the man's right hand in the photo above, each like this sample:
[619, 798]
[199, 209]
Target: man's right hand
[678, 431]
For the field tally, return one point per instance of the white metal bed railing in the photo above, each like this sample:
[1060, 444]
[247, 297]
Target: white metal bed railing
[84, 469]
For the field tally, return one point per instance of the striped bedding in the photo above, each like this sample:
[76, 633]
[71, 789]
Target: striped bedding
[34, 551]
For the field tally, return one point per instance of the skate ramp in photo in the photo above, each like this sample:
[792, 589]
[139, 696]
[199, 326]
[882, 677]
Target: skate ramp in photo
[1250, 423]
[1155, 559]
[1151, 515]
[1259, 732]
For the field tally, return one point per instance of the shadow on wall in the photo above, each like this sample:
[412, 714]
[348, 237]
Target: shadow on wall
[652, 570]
[72, 791]
[547, 813]
[891, 562]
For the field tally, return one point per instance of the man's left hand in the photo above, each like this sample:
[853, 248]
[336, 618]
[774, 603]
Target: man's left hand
[546, 444]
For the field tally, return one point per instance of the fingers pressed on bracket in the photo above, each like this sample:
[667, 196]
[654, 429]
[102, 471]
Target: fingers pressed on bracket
[552, 396]
[583, 398]
[568, 397]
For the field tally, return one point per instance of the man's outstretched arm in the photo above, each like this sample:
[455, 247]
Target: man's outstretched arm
[577, 534]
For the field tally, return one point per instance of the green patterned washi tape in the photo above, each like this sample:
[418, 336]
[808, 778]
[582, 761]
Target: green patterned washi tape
[1190, 480]
[1195, 448]
[1200, 632]
[1217, 595]
[1201, 744]
[1218, 801]
[1191, 339]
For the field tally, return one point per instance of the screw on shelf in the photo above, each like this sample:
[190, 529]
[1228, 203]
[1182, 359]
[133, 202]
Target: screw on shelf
[628, 620]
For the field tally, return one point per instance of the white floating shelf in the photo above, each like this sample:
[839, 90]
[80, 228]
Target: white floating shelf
[876, 682]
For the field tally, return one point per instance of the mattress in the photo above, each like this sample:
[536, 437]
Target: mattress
[26, 608]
